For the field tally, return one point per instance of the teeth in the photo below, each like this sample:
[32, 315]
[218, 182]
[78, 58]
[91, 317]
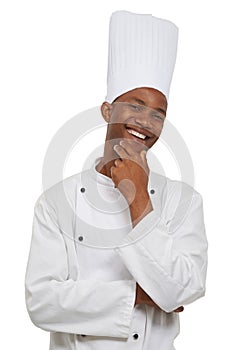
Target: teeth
[135, 133]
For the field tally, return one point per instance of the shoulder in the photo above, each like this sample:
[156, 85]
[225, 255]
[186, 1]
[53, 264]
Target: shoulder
[177, 197]
[61, 194]
[172, 188]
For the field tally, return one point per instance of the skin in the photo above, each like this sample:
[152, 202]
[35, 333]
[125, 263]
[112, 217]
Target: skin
[124, 159]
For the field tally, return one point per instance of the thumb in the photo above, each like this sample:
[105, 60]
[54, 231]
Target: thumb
[143, 155]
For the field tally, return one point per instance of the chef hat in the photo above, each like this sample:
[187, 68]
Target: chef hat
[142, 53]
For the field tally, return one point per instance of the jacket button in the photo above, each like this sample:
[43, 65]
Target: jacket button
[80, 238]
[135, 336]
[83, 189]
[152, 191]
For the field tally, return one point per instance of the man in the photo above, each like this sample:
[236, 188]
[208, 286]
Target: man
[117, 250]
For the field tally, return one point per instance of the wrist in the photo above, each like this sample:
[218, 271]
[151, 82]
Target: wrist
[140, 207]
[142, 198]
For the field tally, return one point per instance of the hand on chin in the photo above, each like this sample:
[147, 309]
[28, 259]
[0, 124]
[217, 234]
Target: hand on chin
[137, 145]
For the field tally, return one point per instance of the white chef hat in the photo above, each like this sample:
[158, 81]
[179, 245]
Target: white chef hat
[142, 53]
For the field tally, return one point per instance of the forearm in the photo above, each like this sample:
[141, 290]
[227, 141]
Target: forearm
[59, 302]
[143, 298]
[83, 307]
[140, 207]
[170, 268]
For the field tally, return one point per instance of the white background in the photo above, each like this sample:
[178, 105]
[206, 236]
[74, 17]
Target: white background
[53, 66]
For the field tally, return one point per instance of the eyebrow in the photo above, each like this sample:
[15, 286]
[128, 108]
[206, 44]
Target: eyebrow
[138, 100]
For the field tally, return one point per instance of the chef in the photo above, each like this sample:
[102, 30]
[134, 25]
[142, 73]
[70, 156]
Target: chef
[117, 250]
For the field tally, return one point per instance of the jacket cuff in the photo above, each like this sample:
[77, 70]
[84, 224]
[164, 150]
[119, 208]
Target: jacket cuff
[145, 226]
[127, 310]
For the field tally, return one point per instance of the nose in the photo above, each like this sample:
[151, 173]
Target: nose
[144, 119]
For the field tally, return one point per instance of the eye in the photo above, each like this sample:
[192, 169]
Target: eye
[136, 108]
[158, 117]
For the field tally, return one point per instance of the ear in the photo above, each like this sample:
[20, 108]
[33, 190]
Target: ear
[106, 109]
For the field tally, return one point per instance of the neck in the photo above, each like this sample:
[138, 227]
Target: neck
[106, 162]
[104, 168]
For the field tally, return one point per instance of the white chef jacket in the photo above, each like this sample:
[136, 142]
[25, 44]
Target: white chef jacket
[85, 259]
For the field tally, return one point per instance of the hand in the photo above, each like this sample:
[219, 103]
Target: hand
[130, 173]
[143, 298]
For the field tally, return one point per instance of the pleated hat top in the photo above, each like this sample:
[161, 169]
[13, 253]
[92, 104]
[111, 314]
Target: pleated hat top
[142, 53]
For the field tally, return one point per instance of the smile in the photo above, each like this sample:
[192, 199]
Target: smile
[137, 134]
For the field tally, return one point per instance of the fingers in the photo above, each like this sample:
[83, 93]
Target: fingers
[112, 170]
[121, 151]
[179, 309]
[128, 147]
[143, 156]
[125, 150]
[117, 162]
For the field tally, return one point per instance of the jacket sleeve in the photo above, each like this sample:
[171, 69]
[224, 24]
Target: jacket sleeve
[57, 303]
[170, 265]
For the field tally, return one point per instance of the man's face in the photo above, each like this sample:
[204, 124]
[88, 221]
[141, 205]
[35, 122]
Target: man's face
[137, 115]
